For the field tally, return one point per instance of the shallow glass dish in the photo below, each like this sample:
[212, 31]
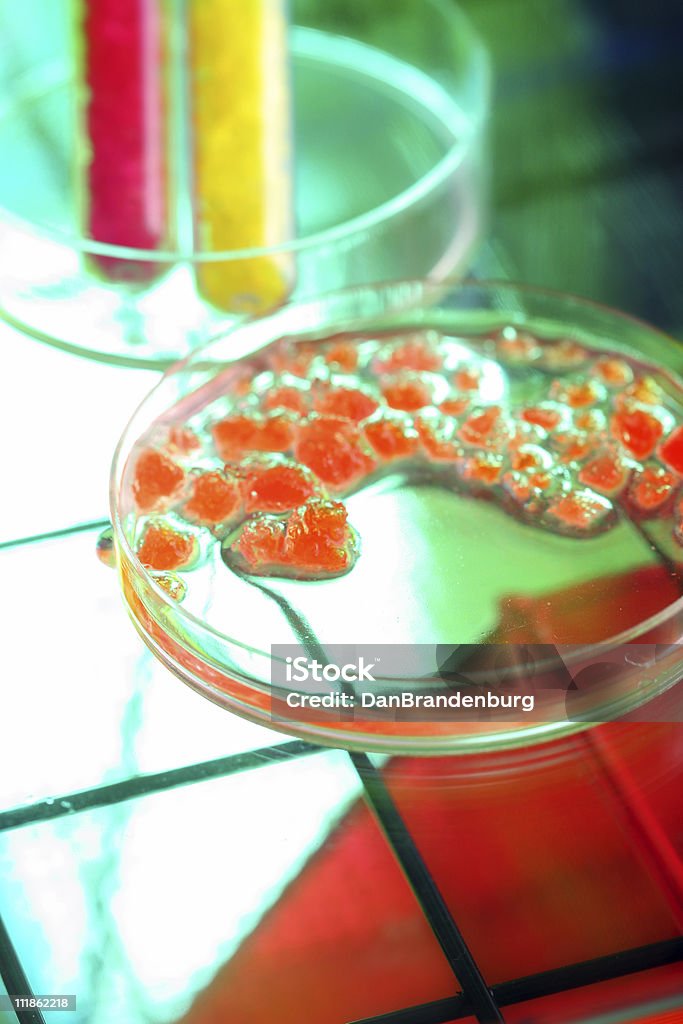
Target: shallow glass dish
[388, 175]
[444, 563]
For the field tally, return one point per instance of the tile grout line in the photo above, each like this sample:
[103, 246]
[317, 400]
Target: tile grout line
[15, 979]
[144, 785]
[474, 988]
[557, 981]
[65, 531]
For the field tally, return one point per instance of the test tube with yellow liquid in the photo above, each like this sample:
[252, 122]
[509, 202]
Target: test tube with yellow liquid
[241, 180]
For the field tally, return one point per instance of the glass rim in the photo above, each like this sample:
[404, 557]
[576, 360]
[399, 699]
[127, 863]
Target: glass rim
[479, 65]
[428, 289]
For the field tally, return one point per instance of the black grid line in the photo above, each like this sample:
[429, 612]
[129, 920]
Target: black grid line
[549, 983]
[14, 978]
[462, 963]
[66, 531]
[143, 785]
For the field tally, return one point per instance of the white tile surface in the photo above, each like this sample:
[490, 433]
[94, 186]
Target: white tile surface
[61, 418]
[82, 702]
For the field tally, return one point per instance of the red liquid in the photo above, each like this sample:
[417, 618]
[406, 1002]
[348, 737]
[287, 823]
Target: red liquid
[124, 122]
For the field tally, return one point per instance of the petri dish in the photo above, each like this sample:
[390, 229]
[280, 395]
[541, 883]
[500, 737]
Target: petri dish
[387, 173]
[481, 472]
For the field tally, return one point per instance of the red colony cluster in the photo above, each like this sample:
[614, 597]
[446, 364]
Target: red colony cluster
[267, 470]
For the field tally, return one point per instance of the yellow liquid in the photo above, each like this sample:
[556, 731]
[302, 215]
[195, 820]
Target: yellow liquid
[240, 101]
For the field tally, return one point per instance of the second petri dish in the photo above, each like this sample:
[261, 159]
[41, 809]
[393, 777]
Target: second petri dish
[386, 176]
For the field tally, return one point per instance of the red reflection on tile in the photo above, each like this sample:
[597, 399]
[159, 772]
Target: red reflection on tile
[346, 940]
[556, 855]
[546, 857]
